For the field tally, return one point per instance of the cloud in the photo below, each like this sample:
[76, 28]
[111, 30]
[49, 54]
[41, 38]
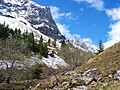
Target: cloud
[64, 29]
[114, 13]
[81, 10]
[90, 45]
[114, 34]
[98, 4]
[57, 14]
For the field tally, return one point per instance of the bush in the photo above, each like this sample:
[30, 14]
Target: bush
[37, 72]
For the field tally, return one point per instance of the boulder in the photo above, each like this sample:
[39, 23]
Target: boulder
[80, 88]
[117, 75]
[90, 75]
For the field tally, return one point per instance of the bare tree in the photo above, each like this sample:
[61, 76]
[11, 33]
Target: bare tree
[13, 53]
[74, 56]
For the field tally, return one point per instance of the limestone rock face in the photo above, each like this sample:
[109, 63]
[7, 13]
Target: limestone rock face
[31, 14]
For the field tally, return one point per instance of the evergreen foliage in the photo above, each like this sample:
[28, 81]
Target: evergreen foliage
[36, 72]
[28, 38]
[17, 48]
[45, 50]
[63, 43]
[100, 46]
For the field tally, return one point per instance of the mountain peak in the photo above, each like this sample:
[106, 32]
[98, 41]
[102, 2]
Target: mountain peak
[30, 13]
[18, 2]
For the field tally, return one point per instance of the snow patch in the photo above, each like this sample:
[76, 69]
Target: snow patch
[54, 62]
[22, 24]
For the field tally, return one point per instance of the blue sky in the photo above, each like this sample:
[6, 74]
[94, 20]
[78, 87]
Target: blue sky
[87, 20]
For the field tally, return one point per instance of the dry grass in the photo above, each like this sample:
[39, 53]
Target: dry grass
[105, 61]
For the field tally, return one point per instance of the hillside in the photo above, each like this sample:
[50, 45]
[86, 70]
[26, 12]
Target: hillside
[105, 61]
[35, 55]
[22, 58]
[99, 73]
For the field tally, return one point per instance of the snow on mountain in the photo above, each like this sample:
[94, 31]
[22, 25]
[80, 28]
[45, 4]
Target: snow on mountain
[80, 44]
[18, 24]
[29, 14]
[54, 62]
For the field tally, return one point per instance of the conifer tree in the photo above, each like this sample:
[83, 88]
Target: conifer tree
[63, 43]
[45, 50]
[100, 46]
[30, 39]
[41, 40]
[41, 46]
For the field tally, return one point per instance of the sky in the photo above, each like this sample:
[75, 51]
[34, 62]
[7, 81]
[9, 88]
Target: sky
[87, 20]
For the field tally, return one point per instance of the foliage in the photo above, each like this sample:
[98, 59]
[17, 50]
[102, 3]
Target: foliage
[108, 60]
[36, 72]
[74, 56]
[100, 46]
[15, 49]
[45, 50]
[63, 43]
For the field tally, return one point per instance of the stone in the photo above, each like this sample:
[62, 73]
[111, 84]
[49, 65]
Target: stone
[80, 88]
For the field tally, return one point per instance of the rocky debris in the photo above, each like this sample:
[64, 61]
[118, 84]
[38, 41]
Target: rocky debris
[76, 82]
[90, 75]
[80, 88]
[114, 74]
[73, 81]
[117, 75]
[73, 74]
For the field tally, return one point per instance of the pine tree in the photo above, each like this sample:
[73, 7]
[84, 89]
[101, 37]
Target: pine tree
[41, 46]
[63, 43]
[19, 33]
[31, 42]
[45, 50]
[100, 46]
[41, 40]
[25, 35]
[4, 31]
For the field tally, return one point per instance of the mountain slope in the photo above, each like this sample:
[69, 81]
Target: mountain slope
[99, 73]
[30, 14]
[105, 61]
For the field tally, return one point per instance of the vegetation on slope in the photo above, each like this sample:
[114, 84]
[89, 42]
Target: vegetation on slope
[74, 56]
[105, 61]
[16, 48]
[107, 64]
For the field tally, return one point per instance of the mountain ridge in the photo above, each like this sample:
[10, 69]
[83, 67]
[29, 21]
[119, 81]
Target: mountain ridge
[28, 12]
